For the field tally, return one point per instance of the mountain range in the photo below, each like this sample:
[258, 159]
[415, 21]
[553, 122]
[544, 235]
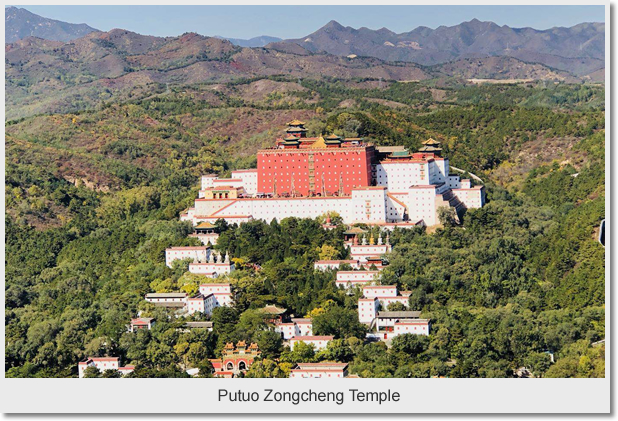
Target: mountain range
[20, 23]
[579, 49]
[47, 76]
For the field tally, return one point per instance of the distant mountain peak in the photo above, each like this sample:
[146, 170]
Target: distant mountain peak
[333, 24]
[21, 23]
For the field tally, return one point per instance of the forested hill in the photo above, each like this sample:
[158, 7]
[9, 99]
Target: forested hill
[92, 201]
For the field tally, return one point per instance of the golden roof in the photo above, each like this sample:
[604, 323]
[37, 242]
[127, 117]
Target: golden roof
[229, 345]
[205, 225]
[431, 141]
[319, 143]
[291, 139]
[296, 123]
[253, 345]
[355, 230]
[241, 344]
[272, 309]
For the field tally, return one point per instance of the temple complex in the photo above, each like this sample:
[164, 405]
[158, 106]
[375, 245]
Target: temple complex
[307, 177]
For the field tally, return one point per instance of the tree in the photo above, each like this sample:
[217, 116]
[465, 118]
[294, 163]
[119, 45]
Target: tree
[396, 306]
[269, 342]
[111, 374]
[447, 216]
[538, 363]
[181, 349]
[205, 369]
[335, 218]
[410, 344]
[328, 252]
[197, 354]
[92, 372]
[336, 350]
[224, 319]
[339, 322]
[302, 353]
[268, 369]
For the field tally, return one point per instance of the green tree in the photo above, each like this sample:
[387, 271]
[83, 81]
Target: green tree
[339, 322]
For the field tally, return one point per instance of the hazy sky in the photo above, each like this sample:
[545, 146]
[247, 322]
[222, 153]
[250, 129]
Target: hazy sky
[297, 21]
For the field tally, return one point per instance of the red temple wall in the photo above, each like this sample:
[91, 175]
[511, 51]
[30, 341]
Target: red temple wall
[352, 165]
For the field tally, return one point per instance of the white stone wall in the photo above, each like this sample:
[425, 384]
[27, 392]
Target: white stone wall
[225, 182]
[294, 329]
[365, 205]
[303, 329]
[223, 300]
[421, 202]
[206, 238]
[249, 180]
[189, 215]
[206, 207]
[195, 305]
[399, 176]
[453, 181]
[373, 291]
[368, 205]
[367, 309]
[420, 327]
[334, 264]
[208, 181]
[362, 252]
[385, 301]
[394, 209]
[347, 279]
[208, 268]
[180, 253]
[442, 167]
[473, 197]
[207, 289]
[287, 330]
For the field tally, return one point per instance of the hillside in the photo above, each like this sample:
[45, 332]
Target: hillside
[502, 68]
[579, 49]
[49, 76]
[20, 23]
[92, 202]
